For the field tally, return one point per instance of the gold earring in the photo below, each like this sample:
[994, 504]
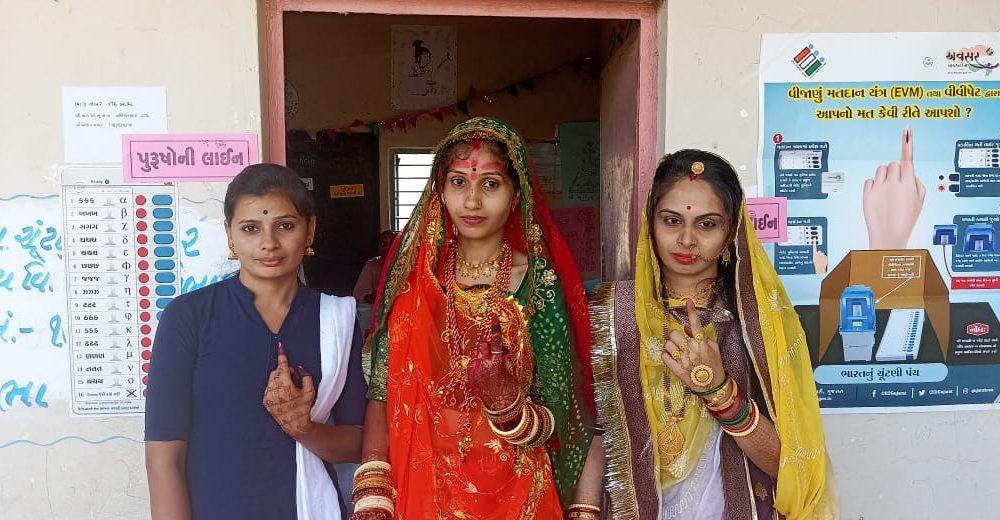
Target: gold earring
[309, 251]
[726, 257]
[232, 255]
[454, 229]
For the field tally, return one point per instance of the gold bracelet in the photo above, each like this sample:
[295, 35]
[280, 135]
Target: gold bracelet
[366, 482]
[584, 507]
[545, 429]
[375, 502]
[385, 485]
[518, 430]
[531, 431]
[373, 465]
[716, 406]
[507, 414]
[720, 394]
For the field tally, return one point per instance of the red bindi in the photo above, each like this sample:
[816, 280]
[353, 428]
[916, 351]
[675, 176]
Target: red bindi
[688, 208]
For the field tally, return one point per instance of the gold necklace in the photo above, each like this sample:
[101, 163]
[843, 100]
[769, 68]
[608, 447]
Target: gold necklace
[459, 360]
[702, 296]
[485, 269]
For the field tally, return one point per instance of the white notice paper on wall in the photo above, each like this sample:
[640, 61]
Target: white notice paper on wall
[94, 119]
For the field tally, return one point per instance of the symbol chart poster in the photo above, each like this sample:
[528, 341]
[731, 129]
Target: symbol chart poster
[887, 150]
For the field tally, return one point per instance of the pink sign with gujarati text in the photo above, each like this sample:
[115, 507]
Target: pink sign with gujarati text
[769, 216]
[187, 157]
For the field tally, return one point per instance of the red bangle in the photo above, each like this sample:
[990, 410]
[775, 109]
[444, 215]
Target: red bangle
[729, 412]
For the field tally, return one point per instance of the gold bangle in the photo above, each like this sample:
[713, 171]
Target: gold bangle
[375, 502]
[373, 465]
[530, 432]
[371, 482]
[549, 426]
[724, 398]
[385, 486]
[721, 397]
[505, 415]
[518, 430]
[584, 507]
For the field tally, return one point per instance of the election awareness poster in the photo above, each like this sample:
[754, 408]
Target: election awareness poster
[887, 150]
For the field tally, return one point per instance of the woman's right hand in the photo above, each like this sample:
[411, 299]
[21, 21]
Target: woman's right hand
[288, 403]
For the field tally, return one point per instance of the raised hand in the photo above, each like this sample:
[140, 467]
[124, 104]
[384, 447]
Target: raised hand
[892, 201]
[289, 397]
[683, 351]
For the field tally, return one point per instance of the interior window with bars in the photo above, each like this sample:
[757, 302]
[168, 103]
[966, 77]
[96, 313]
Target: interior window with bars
[410, 171]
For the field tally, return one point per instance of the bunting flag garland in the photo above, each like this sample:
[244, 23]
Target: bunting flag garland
[403, 122]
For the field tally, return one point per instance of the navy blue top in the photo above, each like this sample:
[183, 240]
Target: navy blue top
[210, 364]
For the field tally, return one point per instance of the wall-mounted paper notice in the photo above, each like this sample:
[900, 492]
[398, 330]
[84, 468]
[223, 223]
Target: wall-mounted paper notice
[189, 157]
[94, 119]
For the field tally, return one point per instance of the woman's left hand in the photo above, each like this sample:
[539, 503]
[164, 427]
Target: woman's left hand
[288, 403]
[682, 353]
[493, 378]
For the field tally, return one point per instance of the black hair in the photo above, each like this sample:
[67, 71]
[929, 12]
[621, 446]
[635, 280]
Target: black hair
[723, 179]
[260, 179]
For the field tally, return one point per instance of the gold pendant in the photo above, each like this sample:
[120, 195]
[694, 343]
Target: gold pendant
[670, 441]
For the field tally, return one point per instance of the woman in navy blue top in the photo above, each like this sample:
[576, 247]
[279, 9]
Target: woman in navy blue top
[224, 409]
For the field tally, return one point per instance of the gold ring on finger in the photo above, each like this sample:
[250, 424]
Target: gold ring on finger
[676, 355]
[683, 346]
[700, 336]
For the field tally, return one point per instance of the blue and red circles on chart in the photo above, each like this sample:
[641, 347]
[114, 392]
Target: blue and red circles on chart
[157, 267]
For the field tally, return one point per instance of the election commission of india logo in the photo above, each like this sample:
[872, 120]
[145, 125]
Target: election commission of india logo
[809, 61]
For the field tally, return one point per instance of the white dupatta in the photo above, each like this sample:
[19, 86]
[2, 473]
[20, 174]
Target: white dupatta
[315, 495]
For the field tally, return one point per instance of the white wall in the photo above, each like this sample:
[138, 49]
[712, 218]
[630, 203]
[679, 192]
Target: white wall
[899, 466]
[52, 465]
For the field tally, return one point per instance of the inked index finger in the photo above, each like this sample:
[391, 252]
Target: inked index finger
[284, 375]
[906, 152]
[694, 322]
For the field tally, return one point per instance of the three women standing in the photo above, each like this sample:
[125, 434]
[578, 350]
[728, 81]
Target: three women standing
[481, 391]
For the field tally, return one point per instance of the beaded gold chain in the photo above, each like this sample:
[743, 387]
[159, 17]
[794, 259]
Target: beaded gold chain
[485, 269]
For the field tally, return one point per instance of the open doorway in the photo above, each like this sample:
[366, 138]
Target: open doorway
[570, 85]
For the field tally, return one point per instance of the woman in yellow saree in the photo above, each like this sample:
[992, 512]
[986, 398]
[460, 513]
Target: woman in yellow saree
[703, 381]
[480, 395]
